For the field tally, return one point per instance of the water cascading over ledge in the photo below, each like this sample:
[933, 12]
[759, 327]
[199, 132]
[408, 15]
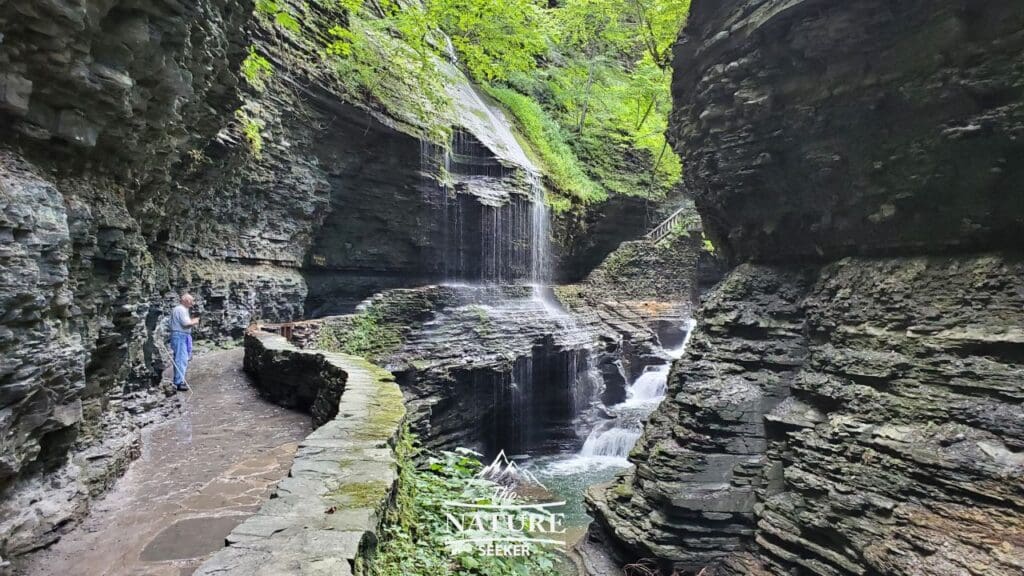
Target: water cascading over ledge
[496, 369]
[411, 210]
[488, 217]
[847, 409]
[517, 382]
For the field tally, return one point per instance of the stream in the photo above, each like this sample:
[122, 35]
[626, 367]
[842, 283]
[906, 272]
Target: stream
[605, 450]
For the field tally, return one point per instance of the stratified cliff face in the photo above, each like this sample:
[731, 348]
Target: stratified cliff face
[852, 400]
[137, 161]
[816, 128]
[98, 101]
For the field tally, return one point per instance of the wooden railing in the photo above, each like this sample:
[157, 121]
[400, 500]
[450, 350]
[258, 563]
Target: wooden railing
[667, 225]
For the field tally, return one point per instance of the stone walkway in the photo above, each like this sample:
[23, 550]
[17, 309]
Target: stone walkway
[200, 475]
[326, 514]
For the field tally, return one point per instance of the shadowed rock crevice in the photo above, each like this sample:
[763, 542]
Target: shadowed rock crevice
[814, 130]
[129, 171]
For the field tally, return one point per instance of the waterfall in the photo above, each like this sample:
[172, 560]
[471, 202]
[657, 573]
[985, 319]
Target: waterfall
[489, 221]
[489, 225]
[609, 443]
[540, 239]
[610, 440]
[677, 353]
[649, 387]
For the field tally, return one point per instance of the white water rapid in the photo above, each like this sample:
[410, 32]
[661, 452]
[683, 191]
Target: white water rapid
[609, 443]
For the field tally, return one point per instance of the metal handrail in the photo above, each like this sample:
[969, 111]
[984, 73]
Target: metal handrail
[665, 228]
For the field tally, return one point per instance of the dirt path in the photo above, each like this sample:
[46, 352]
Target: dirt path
[199, 476]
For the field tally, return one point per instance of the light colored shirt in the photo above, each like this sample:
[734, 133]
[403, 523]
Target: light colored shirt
[180, 320]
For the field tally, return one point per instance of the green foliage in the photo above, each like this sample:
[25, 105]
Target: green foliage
[493, 39]
[658, 23]
[370, 336]
[547, 140]
[707, 245]
[484, 325]
[596, 109]
[367, 334]
[415, 530]
[586, 80]
[279, 14]
[256, 69]
[252, 129]
[385, 55]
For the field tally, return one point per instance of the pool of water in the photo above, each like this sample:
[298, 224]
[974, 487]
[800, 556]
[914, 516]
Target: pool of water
[567, 477]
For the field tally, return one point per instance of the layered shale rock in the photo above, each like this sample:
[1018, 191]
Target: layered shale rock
[642, 270]
[815, 128]
[94, 102]
[844, 415]
[137, 161]
[501, 367]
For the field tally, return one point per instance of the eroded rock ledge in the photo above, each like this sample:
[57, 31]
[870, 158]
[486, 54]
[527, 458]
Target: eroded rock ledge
[323, 518]
[851, 401]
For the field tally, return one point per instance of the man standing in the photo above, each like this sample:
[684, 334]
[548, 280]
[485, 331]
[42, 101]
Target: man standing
[181, 339]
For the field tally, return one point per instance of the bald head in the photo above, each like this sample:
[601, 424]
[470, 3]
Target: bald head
[187, 300]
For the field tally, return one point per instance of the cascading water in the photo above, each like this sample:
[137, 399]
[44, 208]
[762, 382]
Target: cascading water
[540, 244]
[609, 440]
[492, 224]
[649, 388]
[608, 444]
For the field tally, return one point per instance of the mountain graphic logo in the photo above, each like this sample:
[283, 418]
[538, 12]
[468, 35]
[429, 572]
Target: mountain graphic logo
[505, 471]
[504, 526]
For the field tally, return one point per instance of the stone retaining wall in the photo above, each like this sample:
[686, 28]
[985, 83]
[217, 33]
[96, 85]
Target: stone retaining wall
[293, 378]
[323, 518]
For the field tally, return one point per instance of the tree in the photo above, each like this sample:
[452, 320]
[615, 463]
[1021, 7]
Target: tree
[493, 38]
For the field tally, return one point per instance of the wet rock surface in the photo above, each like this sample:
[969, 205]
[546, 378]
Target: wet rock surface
[872, 403]
[842, 415]
[324, 517]
[586, 235]
[501, 367]
[199, 475]
[641, 270]
[819, 129]
[126, 177]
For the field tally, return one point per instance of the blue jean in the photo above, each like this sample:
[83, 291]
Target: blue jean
[181, 346]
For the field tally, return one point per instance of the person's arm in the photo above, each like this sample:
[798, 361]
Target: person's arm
[191, 321]
[182, 316]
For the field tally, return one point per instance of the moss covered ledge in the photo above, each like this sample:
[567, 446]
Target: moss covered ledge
[323, 518]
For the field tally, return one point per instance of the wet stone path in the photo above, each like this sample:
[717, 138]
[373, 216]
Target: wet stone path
[199, 476]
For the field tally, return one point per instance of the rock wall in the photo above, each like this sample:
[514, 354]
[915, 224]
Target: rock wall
[129, 171]
[584, 236]
[815, 129]
[299, 381]
[841, 414]
[499, 367]
[98, 100]
[640, 270]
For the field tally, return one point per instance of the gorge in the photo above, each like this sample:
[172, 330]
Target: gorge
[818, 370]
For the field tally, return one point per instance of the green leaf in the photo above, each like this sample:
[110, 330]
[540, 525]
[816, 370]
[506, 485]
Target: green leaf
[288, 22]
